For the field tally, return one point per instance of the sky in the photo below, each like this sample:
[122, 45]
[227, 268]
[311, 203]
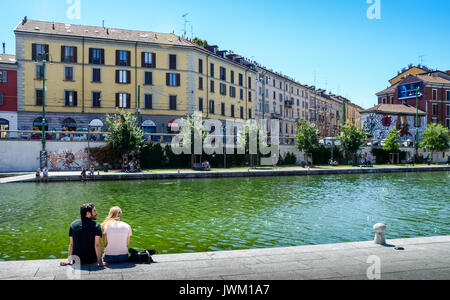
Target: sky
[349, 47]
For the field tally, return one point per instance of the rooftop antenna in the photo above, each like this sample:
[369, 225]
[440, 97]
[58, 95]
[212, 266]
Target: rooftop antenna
[185, 24]
[421, 58]
[103, 23]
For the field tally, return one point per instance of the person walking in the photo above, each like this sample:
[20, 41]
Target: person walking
[85, 238]
[116, 237]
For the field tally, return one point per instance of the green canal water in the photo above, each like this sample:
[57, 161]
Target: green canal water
[182, 216]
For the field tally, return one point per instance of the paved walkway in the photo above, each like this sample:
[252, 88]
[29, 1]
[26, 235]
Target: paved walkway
[227, 173]
[422, 258]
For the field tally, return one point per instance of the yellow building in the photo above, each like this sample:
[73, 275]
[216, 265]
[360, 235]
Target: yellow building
[92, 71]
[411, 70]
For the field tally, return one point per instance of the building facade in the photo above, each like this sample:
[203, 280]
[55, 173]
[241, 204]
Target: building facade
[430, 90]
[381, 119]
[8, 92]
[93, 71]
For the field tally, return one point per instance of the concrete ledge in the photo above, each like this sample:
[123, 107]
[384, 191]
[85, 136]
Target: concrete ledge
[170, 175]
[423, 258]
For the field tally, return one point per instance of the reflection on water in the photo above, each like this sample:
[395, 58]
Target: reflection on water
[182, 216]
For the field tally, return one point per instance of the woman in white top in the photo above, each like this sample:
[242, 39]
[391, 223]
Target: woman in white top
[116, 237]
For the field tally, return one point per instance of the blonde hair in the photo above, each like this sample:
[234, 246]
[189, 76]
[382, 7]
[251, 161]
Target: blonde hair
[113, 217]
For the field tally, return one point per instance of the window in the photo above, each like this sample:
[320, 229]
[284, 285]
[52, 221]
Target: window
[223, 89]
[211, 89]
[249, 113]
[123, 58]
[200, 104]
[241, 111]
[39, 97]
[39, 72]
[200, 83]
[68, 73]
[241, 80]
[211, 106]
[172, 79]
[435, 110]
[148, 101]
[249, 82]
[96, 56]
[232, 92]
[148, 60]
[96, 75]
[68, 54]
[448, 95]
[123, 76]
[434, 94]
[173, 102]
[409, 90]
[212, 70]
[123, 100]
[232, 76]
[250, 96]
[241, 94]
[232, 110]
[70, 98]
[223, 74]
[448, 110]
[172, 62]
[148, 78]
[1, 99]
[96, 99]
[38, 50]
[222, 109]
[447, 123]
[3, 75]
[200, 66]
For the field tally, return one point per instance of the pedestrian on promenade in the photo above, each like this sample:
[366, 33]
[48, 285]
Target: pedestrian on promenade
[83, 174]
[85, 238]
[38, 175]
[45, 173]
[116, 237]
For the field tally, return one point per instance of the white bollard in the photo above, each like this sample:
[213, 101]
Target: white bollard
[380, 238]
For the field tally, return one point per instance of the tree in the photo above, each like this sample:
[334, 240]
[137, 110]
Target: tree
[307, 137]
[200, 42]
[352, 138]
[125, 135]
[391, 144]
[435, 139]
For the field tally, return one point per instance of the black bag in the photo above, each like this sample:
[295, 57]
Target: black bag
[143, 257]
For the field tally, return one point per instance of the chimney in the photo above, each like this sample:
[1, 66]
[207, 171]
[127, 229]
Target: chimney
[24, 20]
[4, 48]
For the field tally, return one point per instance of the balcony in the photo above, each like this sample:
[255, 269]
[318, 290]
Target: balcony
[276, 116]
[288, 103]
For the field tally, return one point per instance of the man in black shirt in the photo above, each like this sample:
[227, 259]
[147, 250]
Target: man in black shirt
[85, 236]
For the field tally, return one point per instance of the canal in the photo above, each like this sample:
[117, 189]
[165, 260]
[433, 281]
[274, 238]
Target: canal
[183, 216]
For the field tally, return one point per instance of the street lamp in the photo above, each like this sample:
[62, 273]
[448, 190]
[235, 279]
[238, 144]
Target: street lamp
[43, 154]
[417, 120]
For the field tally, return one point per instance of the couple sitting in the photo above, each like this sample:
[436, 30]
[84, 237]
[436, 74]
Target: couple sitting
[85, 238]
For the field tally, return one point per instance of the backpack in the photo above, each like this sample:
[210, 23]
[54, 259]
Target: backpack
[143, 257]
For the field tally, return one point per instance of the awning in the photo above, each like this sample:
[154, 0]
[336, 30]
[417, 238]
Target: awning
[96, 123]
[148, 123]
[4, 122]
[69, 123]
[173, 125]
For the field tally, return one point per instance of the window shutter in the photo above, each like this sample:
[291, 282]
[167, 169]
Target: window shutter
[46, 52]
[128, 100]
[128, 58]
[67, 98]
[143, 64]
[117, 76]
[154, 60]
[91, 54]
[117, 57]
[117, 99]
[33, 55]
[167, 79]
[102, 52]
[75, 98]
[128, 76]
[75, 54]
[63, 53]
[178, 79]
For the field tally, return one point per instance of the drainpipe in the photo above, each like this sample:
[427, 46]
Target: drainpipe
[82, 81]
